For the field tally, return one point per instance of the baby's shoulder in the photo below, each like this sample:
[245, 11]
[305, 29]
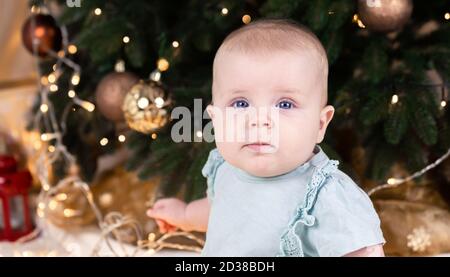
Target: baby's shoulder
[340, 184]
[340, 193]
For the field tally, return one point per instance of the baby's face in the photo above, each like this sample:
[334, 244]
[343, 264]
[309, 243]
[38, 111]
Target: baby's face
[268, 111]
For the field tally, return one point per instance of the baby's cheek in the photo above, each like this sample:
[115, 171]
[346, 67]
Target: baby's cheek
[297, 133]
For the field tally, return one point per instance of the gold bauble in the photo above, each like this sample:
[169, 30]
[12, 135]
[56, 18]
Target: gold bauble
[68, 207]
[110, 94]
[384, 15]
[413, 229]
[146, 107]
[130, 200]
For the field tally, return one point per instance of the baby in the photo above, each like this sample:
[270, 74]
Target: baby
[274, 192]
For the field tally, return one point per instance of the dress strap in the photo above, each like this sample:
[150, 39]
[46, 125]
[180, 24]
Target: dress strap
[215, 160]
[290, 242]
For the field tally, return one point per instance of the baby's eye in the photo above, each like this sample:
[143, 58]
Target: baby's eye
[285, 105]
[240, 104]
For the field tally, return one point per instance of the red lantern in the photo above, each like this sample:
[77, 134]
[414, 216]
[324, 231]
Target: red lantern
[15, 219]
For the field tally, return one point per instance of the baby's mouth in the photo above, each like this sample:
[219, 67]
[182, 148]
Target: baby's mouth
[260, 147]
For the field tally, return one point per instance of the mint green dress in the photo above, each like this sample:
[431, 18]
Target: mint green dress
[314, 210]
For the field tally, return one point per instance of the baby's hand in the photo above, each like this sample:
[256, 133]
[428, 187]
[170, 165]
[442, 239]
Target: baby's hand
[169, 214]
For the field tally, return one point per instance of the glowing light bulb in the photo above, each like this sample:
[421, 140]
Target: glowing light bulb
[75, 79]
[159, 102]
[104, 141]
[44, 108]
[143, 103]
[71, 93]
[392, 181]
[72, 49]
[51, 78]
[53, 88]
[246, 19]
[394, 99]
[163, 64]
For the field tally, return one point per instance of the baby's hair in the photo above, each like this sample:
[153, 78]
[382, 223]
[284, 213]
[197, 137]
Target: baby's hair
[265, 36]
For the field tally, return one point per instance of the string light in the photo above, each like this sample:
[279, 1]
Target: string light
[71, 93]
[163, 64]
[70, 212]
[126, 39]
[246, 19]
[45, 187]
[52, 204]
[159, 102]
[72, 49]
[121, 138]
[49, 136]
[104, 141]
[61, 196]
[447, 16]
[37, 145]
[98, 11]
[54, 67]
[394, 99]
[35, 9]
[88, 106]
[75, 79]
[51, 149]
[199, 134]
[143, 103]
[155, 75]
[154, 136]
[51, 78]
[394, 182]
[361, 24]
[44, 108]
[119, 66]
[175, 44]
[443, 103]
[358, 21]
[41, 205]
[224, 11]
[44, 80]
[53, 88]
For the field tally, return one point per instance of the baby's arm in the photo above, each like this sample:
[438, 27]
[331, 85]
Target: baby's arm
[170, 213]
[369, 251]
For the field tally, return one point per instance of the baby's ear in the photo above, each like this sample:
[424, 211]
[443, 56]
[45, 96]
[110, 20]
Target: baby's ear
[325, 117]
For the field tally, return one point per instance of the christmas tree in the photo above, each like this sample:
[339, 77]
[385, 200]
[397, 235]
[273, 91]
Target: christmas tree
[388, 79]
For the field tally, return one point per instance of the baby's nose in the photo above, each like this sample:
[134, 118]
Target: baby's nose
[260, 120]
[261, 123]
